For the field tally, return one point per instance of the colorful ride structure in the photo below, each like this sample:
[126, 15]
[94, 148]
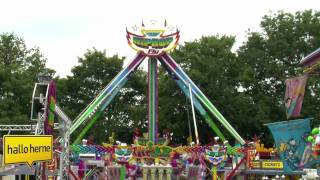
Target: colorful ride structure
[311, 64]
[150, 157]
[153, 44]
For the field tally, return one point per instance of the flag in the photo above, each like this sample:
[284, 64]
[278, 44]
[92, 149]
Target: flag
[295, 88]
[290, 142]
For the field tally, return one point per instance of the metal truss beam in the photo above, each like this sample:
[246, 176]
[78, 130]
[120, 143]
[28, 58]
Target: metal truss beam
[22, 127]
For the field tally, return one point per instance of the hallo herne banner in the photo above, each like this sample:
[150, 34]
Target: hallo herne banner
[26, 149]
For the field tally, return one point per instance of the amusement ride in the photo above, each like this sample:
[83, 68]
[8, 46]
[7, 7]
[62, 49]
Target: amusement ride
[151, 156]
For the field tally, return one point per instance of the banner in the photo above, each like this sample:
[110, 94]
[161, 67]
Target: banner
[19, 149]
[295, 88]
[290, 142]
[51, 103]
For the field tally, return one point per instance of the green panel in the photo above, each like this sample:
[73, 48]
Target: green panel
[152, 100]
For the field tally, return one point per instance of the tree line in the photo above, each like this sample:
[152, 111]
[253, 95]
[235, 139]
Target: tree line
[246, 85]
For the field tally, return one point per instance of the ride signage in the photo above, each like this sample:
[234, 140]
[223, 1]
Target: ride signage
[153, 41]
[272, 164]
[19, 149]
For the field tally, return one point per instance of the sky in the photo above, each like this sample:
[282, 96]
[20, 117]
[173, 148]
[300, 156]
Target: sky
[65, 29]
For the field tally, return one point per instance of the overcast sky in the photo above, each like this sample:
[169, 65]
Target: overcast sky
[65, 29]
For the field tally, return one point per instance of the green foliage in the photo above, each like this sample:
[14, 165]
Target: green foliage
[19, 68]
[94, 72]
[246, 85]
[271, 56]
[212, 66]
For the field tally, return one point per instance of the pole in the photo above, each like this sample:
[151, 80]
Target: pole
[189, 122]
[61, 165]
[87, 128]
[194, 115]
[123, 172]
[214, 172]
[152, 100]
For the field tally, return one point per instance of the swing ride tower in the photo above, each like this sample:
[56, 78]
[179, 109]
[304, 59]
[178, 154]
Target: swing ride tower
[153, 43]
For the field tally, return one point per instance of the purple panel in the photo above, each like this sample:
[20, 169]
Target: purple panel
[312, 58]
[135, 61]
[169, 60]
[52, 92]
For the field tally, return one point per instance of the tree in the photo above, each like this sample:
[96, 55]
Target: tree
[94, 72]
[19, 68]
[271, 56]
[246, 86]
[211, 64]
